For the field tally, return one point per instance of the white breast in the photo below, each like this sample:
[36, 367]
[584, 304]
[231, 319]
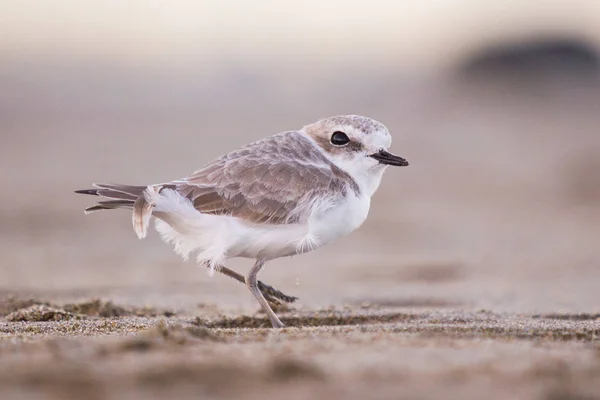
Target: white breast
[339, 220]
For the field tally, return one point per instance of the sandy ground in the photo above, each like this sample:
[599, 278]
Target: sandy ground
[476, 273]
[352, 352]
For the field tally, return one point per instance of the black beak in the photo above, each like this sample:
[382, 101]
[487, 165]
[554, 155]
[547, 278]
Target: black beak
[388, 158]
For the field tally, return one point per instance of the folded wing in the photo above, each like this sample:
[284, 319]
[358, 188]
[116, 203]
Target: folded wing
[276, 180]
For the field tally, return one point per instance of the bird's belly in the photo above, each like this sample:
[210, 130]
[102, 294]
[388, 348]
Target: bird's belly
[268, 241]
[273, 241]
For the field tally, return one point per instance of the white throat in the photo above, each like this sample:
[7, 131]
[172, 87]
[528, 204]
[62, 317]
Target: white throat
[366, 172]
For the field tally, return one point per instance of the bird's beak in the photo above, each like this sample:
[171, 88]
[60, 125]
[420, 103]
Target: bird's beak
[388, 158]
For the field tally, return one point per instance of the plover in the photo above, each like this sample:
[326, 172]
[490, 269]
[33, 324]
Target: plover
[284, 195]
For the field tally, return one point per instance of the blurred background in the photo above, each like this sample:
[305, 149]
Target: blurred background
[495, 104]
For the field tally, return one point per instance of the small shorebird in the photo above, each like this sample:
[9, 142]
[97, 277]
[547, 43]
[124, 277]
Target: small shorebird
[287, 194]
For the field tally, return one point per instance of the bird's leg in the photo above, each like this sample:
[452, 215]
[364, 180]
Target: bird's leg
[271, 294]
[251, 282]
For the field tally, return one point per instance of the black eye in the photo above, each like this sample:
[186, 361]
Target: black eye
[339, 138]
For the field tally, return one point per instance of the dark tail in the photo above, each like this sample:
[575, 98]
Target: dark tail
[123, 196]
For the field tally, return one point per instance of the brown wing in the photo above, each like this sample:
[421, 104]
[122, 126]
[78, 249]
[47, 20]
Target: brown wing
[274, 180]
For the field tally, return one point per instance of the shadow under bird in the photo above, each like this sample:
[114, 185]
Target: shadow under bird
[284, 195]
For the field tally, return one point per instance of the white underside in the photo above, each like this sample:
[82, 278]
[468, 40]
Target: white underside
[214, 238]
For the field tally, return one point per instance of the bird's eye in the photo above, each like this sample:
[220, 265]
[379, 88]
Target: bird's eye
[339, 138]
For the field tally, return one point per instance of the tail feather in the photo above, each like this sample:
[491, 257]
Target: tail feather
[125, 197]
[111, 191]
[112, 194]
[128, 189]
[93, 192]
[110, 205]
[142, 210]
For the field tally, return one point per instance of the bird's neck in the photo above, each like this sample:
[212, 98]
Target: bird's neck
[368, 179]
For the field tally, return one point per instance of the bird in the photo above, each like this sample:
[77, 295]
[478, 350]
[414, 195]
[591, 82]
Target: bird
[284, 195]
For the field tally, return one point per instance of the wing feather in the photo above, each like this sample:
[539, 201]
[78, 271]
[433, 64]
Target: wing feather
[275, 180]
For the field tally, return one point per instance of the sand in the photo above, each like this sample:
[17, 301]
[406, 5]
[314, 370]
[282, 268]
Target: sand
[352, 352]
